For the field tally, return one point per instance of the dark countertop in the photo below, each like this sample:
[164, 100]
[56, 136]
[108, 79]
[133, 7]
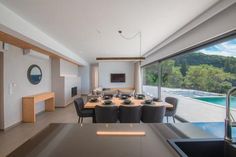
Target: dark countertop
[59, 140]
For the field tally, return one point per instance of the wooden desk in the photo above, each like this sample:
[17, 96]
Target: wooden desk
[29, 102]
[118, 102]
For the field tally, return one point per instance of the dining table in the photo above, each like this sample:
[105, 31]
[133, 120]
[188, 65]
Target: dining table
[119, 101]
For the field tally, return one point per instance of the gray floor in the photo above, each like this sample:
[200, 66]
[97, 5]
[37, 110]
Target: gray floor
[14, 137]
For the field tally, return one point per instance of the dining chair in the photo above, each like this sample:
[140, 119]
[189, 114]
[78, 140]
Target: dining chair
[81, 111]
[153, 113]
[170, 112]
[106, 114]
[129, 114]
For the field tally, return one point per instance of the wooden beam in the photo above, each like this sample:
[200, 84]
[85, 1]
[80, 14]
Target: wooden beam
[7, 38]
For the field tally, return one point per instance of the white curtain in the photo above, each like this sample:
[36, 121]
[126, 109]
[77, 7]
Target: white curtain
[137, 77]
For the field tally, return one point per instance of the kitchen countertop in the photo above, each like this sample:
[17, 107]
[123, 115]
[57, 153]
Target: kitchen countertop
[70, 140]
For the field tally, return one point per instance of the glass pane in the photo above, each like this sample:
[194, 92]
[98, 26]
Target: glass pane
[200, 80]
[150, 80]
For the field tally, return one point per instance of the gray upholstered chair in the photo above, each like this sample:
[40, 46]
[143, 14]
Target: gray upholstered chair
[153, 114]
[81, 111]
[106, 114]
[129, 114]
[170, 112]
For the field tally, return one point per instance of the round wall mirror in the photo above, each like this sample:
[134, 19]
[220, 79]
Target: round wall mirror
[34, 74]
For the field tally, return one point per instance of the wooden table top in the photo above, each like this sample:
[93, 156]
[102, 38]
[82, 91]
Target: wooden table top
[118, 102]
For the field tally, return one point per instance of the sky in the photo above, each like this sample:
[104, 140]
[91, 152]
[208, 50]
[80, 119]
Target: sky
[227, 48]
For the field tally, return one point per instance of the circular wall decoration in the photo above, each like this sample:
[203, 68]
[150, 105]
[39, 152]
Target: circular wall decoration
[34, 74]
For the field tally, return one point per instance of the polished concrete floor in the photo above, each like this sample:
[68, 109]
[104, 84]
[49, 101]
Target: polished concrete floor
[14, 137]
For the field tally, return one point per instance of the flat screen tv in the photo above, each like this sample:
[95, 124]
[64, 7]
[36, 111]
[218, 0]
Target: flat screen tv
[117, 78]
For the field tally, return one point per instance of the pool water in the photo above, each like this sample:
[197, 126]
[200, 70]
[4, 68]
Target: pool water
[215, 128]
[218, 100]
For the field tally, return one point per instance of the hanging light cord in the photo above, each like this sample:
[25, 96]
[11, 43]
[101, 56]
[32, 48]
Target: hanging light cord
[132, 37]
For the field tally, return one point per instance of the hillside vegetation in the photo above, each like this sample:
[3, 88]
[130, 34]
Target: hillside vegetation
[198, 71]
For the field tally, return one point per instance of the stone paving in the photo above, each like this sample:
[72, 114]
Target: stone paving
[194, 110]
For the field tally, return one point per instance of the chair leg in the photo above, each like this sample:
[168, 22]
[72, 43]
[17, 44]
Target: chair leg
[94, 119]
[173, 118]
[167, 118]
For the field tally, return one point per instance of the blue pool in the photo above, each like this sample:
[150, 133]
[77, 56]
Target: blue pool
[218, 100]
[215, 128]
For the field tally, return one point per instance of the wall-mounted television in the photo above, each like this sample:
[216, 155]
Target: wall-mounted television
[117, 78]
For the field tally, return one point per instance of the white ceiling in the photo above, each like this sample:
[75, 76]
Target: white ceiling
[89, 27]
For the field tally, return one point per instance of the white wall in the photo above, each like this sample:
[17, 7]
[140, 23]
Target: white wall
[64, 77]
[69, 83]
[71, 79]
[1, 92]
[68, 69]
[15, 74]
[106, 68]
[84, 74]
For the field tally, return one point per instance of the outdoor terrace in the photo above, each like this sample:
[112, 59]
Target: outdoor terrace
[190, 109]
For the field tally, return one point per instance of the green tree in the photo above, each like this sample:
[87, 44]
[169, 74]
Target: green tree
[230, 65]
[184, 68]
[208, 78]
[171, 75]
[151, 75]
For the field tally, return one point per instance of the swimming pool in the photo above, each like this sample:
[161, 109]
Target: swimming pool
[218, 100]
[215, 128]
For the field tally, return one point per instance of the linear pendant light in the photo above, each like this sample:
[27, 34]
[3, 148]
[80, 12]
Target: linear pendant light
[120, 58]
[126, 58]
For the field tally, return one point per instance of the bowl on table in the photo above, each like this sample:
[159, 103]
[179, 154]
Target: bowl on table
[107, 102]
[123, 96]
[140, 96]
[148, 101]
[93, 100]
[127, 102]
[156, 99]
[106, 97]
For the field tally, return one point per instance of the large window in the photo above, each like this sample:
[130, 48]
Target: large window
[211, 69]
[199, 79]
[150, 75]
[150, 80]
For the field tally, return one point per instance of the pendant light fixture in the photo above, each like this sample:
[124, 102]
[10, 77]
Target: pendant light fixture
[140, 58]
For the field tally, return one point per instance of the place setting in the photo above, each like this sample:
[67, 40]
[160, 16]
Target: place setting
[127, 102]
[93, 100]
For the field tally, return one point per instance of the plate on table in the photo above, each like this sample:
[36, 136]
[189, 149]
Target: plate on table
[93, 100]
[148, 102]
[123, 97]
[156, 99]
[107, 102]
[140, 96]
[106, 97]
[127, 102]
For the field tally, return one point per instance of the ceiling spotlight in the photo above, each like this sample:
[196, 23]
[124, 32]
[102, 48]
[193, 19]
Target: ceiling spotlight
[120, 31]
